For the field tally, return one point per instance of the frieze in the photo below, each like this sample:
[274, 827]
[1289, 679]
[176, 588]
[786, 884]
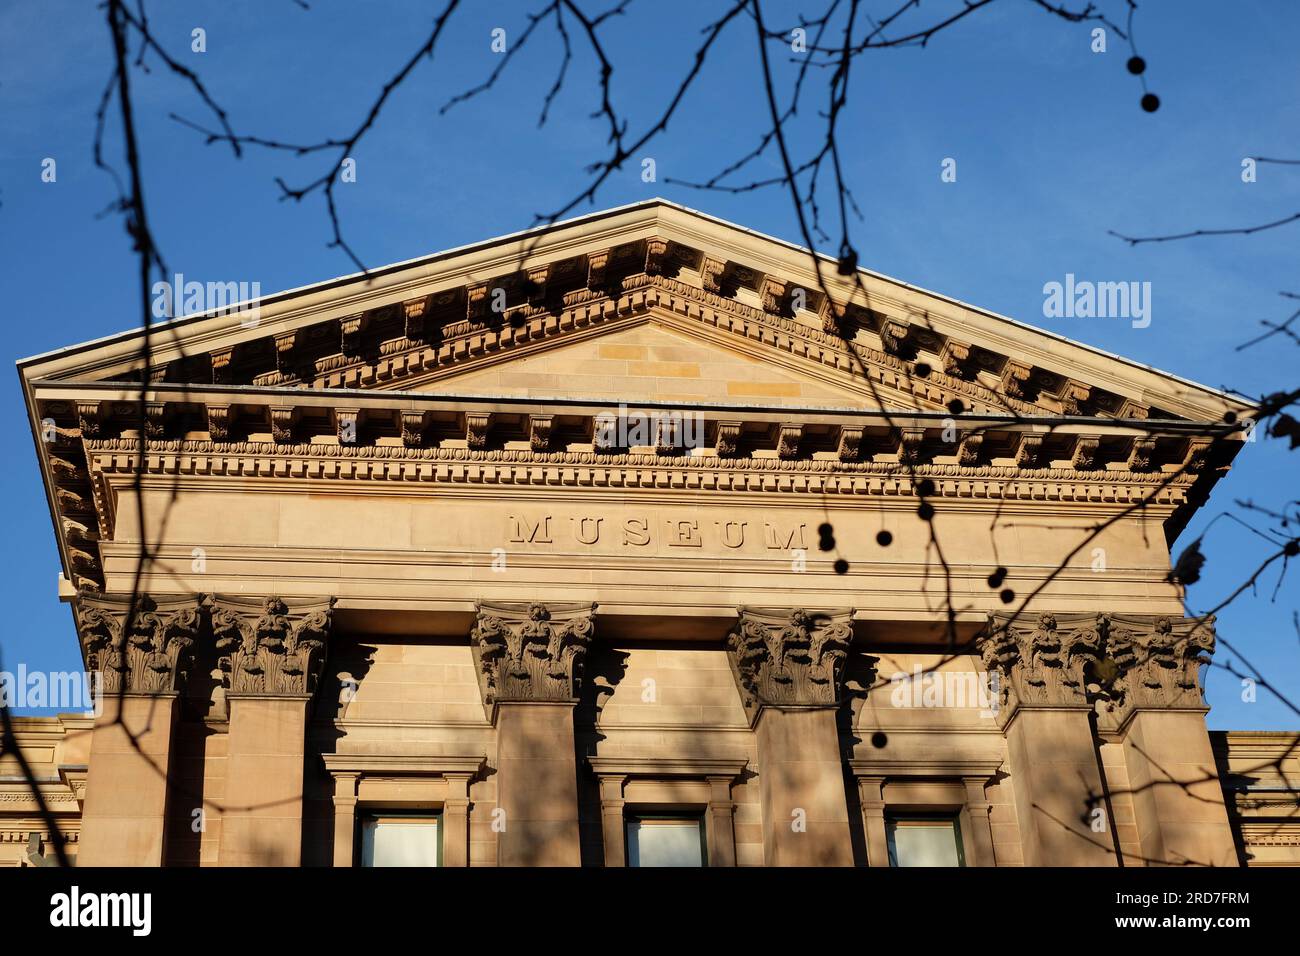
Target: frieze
[639, 531]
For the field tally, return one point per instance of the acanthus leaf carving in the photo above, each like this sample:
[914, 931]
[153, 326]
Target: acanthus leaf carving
[1084, 457]
[271, 649]
[968, 450]
[1015, 378]
[88, 418]
[1157, 660]
[893, 335]
[1043, 661]
[848, 447]
[656, 252]
[413, 425]
[531, 652]
[1119, 663]
[1141, 454]
[283, 418]
[143, 646]
[788, 437]
[727, 439]
[539, 432]
[712, 272]
[956, 359]
[1029, 450]
[789, 657]
[218, 422]
[773, 292]
[477, 425]
[597, 263]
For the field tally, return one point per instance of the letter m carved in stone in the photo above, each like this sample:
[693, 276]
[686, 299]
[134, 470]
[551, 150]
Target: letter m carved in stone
[523, 531]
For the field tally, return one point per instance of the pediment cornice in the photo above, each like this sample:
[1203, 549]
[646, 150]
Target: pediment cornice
[416, 325]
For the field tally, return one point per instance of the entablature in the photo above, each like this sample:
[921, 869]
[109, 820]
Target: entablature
[94, 440]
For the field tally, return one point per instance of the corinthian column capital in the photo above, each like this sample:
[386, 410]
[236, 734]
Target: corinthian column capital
[1041, 661]
[1157, 662]
[140, 646]
[267, 647]
[531, 652]
[789, 657]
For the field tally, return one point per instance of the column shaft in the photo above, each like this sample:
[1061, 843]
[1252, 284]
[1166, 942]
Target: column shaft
[1177, 795]
[801, 786]
[1057, 786]
[537, 785]
[261, 823]
[127, 798]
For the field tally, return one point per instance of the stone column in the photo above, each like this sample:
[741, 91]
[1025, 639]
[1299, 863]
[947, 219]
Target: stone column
[271, 659]
[345, 818]
[141, 654]
[871, 796]
[978, 813]
[788, 666]
[721, 826]
[455, 820]
[1157, 711]
[529, 659]
[1044, 710]
[611, 818]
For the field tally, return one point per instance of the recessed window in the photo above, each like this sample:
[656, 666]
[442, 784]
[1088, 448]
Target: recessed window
[400, 840]
[924, 841]
[665, 841]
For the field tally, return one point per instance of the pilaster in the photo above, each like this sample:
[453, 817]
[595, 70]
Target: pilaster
[1156, 710]
[271, 656]
[141, 651]
[529, 659]
[1039, 665]
[789, 669]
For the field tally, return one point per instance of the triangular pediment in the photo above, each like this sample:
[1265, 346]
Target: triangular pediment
[542, 314]
[657, 358]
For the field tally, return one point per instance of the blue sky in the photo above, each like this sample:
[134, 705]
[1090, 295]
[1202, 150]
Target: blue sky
[1052, 151]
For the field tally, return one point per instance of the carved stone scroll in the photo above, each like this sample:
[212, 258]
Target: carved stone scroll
[789, 658]
[1041, 661]
[270, 648]
[531, 652]
[142, 650]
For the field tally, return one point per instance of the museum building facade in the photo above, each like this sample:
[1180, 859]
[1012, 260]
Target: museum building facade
[640, 539]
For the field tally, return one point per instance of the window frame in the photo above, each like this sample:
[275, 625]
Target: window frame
[641, 814]
[952, 818]
[366, 814]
